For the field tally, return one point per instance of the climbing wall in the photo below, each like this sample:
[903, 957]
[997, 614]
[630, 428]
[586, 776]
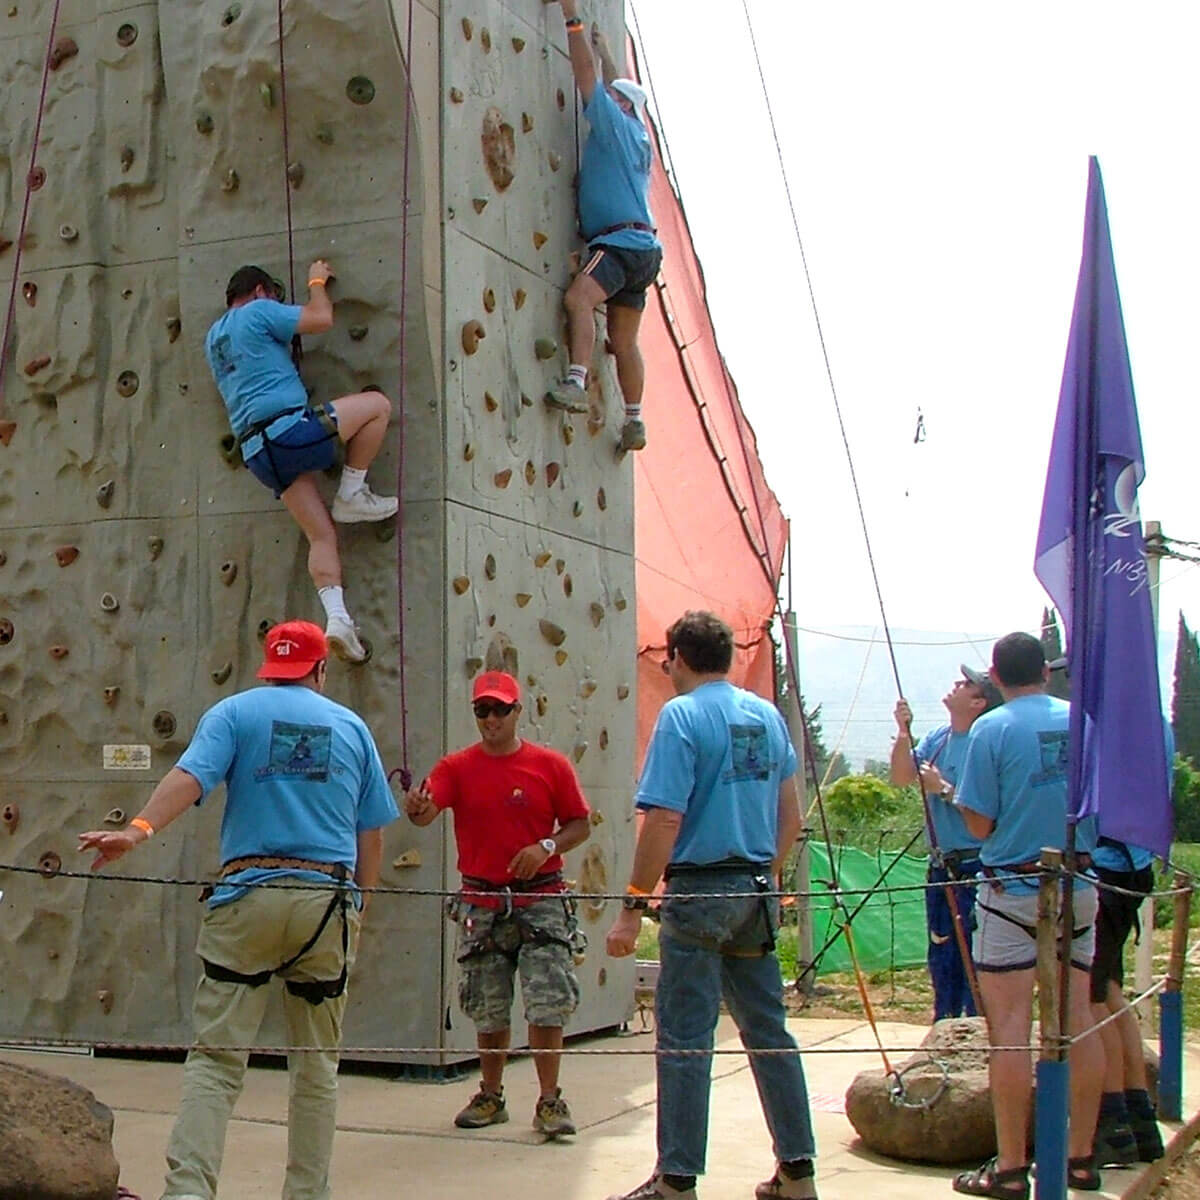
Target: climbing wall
[140, 564]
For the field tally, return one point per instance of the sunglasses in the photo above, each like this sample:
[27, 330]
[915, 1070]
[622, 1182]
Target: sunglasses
[489, 708]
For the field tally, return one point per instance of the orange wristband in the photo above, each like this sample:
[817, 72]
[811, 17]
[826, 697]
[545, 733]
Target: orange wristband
[635, 891]
[317, 283]
[144, 826]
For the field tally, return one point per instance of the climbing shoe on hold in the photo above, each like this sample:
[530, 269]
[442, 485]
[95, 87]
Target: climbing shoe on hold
[363, 505]
[342, 636]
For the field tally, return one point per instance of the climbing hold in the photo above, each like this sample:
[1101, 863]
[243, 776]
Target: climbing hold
[619, 601]
[468, 28]
[58, 651]
[114, 816]
[127, 34]
[66, 555]
[554, 634]
[479, 203]
[601, 499]
[530, 473]
[5, 243]
[545, 348]
[174, 325]
[485, 40]
[6, 631]
[518, 44]
[263, 627]
[36, 364]
[489, 300]
[541, 559]
[552, 470]
[461, 585]
[587, 688]
[568, 586]
[490, 402]
[106, 1000]
[410, 858]
[541, 704]
[164, 723]
[468, 452]
[601, 976]
[228, 572]
[295, 173]
[539, 239]
[559, 564]
[231, 181]
[7, 429]
[526, 123]
[499, 148]
[204, 122]
[456, 96]
[523, 598]
[519, 299]
[324, 134]
[560, 98]
[110, 694]
[155, 546]
[501, 478]
[266, 93]
[229, 450]
[49, 865]
[622, 691]
[128, 383]
[560, 657]
[526, 402]
[579, 750]
[127, 156]
[568, 431]
[68, 233]
[473, 333]
[555, 160]
[64, 49]
[603, 739]
[3, 558]
[360, 90]
[37, 178]
[489, 567]
[357, 332]
[231, 14]
[222, 673]
[29, 291]
[385, 531]
[473, 665]
[10, 817]
[597, 613]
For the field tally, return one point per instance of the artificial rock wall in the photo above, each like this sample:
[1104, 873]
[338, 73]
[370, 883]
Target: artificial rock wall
[140, 564]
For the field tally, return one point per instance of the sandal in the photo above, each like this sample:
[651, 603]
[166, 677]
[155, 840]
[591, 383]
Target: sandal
[1082, 1174]
[989, 1180]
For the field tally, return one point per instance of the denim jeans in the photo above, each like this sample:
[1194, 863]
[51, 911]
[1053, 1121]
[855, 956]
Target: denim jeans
[951, 985]
[709, 949]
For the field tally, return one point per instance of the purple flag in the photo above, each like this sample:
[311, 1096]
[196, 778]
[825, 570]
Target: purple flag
[1091, 559]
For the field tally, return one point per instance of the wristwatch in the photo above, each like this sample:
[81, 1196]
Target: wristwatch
[634, 903]
[549, 845]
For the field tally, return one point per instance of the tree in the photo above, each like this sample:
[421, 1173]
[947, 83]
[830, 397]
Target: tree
[878, 767]
[1052, 646]
[1186, 794]
[1185, 705]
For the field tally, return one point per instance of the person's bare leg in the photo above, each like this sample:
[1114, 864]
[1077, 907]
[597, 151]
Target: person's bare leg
[1132, 1056]
[1110, 1039]
[1008, 1002]
[623, 325]
[362, 420]
[1087, 1069]
[583, 297]
[546, 1037]
[491, 1065]
[304, 502]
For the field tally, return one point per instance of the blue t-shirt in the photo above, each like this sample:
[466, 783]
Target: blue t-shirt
[1113, 858]
[718, 755]
[1015, 772]
[249, 354]
[946, 750]
[614, 175]
[302, 775]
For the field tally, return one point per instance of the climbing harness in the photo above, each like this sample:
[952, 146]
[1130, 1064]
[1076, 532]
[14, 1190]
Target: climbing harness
[510, 929]
[324, 417]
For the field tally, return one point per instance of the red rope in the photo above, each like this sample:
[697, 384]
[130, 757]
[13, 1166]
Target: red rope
[20, 242]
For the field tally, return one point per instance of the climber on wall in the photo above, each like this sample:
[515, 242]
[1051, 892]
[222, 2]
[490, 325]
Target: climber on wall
[624, 253]
[283, 441]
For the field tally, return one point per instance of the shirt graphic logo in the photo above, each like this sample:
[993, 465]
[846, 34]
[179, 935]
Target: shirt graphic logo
[297, 752]
[750, 756]
[1053, 749]
[224, 362]
[284, 647]
[517, 797]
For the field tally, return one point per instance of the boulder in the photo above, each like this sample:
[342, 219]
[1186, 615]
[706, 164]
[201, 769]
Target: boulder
[57, 1139]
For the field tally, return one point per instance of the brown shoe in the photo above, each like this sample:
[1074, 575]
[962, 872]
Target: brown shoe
[485, 1108]
[781, 1187]
[552, 1116]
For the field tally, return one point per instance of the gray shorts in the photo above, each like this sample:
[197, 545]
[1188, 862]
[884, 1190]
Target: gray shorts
[1006, 929]
[535, 940]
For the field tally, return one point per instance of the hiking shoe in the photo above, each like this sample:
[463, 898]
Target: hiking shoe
[1148, 1137]
[364, 505]
[781, 1187]
[485, 1108]
[567, 396]
[1114, 1144]
[342, 636]
[633, 435]
[655, 1188]
[552, 1116]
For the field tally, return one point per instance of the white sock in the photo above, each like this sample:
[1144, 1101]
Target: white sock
[577, 374]
[334, 602]
[352, 481]
[633, 412]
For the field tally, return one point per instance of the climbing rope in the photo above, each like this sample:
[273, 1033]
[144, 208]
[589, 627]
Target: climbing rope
[30, 188]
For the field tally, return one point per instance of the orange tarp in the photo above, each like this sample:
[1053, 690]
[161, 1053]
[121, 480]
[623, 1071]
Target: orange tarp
[709, 531]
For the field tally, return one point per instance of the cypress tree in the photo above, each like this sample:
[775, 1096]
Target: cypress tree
[1185, 705]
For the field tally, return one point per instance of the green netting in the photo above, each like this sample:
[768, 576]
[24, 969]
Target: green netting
[890, 930]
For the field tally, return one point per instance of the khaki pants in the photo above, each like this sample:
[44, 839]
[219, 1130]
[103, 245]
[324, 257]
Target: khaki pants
[256, 933]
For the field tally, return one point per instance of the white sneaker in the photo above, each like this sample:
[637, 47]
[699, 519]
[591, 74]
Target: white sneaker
[364, 505]
[342, 636]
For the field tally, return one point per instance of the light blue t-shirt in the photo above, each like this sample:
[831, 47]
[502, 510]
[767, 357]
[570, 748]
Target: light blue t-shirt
[249, 354]
[1113, 858]
[1015, 772]
[718, 755]
[614, 175]
[302, 775]
[946, 750]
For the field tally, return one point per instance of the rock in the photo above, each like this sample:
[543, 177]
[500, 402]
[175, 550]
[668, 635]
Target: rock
[57, 1138]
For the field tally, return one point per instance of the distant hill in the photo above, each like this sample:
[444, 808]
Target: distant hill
[847, 671]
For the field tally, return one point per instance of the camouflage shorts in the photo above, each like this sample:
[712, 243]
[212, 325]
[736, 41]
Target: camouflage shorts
[535, 940]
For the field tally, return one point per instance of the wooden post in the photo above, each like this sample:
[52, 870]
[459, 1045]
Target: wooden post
[1170, 1079]
[806, 980]
[1053, 1078]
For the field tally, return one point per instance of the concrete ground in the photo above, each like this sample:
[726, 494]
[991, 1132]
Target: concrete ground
[398, 1138]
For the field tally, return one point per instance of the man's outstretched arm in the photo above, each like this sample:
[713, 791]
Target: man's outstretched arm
[582, 62]
[608, 67]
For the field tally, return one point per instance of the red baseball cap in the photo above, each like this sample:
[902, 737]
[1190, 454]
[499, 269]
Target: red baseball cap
[496, 685]
[292, 649]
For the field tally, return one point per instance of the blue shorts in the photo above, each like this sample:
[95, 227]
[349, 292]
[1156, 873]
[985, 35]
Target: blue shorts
[308, 445]
[623, 274]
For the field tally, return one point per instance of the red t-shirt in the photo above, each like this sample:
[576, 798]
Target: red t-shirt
[503, 803]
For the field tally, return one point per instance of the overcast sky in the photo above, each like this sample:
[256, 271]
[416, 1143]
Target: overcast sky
[937, 157]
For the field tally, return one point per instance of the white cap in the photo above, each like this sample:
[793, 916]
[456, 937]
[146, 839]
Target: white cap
[632, 91]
